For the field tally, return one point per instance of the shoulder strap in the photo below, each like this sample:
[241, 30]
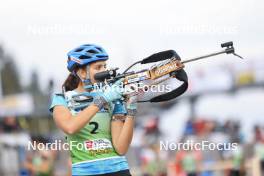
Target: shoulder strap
[180, 75]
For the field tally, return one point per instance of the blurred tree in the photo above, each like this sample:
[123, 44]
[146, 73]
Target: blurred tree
[50, 87]
[1, 52]
[9, 74]
[33, 86]
[40, 96]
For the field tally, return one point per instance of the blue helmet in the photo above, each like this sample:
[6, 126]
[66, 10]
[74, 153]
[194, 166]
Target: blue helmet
[84, 55]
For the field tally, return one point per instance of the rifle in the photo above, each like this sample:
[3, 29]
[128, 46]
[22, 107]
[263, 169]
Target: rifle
[171, 65]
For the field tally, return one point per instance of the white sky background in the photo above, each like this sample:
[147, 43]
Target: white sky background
[38, 34]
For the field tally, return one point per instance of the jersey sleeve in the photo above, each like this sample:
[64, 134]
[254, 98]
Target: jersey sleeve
[57, 99]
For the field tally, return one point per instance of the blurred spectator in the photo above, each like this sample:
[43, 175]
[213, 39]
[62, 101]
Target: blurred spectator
[153, 161]
[232, 128]
[13, 143]
[40, 162]
[258, 133]
[152, 134]
[238, 162]
[259, 146]
[189, 128]
[189, 161]
[9, 125]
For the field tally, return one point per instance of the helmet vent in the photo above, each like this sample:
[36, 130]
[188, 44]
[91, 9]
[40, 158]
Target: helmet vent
[100, 56]
[84, 57]
[92, 51]
[78, 50]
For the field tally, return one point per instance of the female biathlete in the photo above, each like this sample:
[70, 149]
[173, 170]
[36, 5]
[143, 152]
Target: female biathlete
[104, 127]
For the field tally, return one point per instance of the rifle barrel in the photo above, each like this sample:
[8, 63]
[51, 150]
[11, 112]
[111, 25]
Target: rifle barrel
[203, 57]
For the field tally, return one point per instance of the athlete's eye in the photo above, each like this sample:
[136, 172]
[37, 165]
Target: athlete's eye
[98, 67]
[101, 67]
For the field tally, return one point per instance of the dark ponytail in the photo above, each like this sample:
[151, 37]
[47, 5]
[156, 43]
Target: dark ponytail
[71, 83]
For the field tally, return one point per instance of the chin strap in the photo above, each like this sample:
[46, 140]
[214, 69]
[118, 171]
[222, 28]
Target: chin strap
[87, 80]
